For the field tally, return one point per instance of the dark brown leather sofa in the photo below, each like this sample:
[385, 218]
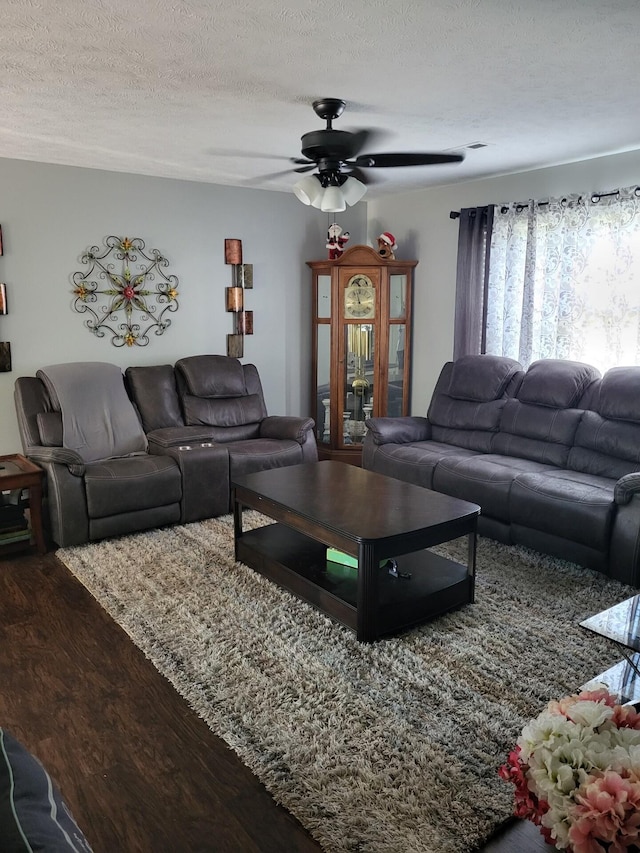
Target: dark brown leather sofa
[552, 455]
[205, 421]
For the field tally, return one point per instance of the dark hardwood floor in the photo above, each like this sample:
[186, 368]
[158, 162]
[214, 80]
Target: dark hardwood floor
[141, 772]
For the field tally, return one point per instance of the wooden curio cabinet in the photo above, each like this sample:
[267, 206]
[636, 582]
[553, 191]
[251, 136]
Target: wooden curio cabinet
[361, 346]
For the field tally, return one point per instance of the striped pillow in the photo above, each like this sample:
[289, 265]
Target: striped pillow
[33, 815]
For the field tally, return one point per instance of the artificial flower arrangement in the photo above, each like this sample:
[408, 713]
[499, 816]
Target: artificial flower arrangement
[576, 770]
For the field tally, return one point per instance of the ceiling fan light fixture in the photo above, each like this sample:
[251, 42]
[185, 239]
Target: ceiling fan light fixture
[333, 200]
[353, 190]
[336, 155]
[308, 190]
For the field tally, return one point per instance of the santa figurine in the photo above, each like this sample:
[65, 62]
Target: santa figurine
[336, 241]
[387, 245]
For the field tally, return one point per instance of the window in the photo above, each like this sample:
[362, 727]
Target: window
[564, 280]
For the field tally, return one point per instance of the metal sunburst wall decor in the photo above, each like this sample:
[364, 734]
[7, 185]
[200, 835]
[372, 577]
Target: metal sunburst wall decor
[128, 299]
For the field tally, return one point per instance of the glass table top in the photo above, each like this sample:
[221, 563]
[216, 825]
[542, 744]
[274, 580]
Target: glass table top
[620, 623]
[622, 681]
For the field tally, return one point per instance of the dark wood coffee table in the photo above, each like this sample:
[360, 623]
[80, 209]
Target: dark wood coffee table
[370, 517]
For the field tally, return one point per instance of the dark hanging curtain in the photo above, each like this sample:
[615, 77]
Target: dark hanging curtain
[474, 241]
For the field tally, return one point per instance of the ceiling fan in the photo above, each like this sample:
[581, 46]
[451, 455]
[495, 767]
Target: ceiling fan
[340, 178]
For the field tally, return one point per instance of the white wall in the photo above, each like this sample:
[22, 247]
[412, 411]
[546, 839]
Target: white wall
[421, 225]
[50, 215]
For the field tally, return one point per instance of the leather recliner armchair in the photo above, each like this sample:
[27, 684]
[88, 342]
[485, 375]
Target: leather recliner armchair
[89, 500]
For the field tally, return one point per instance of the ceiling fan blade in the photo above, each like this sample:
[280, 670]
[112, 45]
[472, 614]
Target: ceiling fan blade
[406, 159]
[356, 172]
[253, 155]
[270, 177]
[300, 160]
[359, 139]
[305, 168]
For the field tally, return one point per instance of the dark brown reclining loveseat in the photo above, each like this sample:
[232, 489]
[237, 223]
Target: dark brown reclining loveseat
[209, 415]
[551, 454]
[180, 435]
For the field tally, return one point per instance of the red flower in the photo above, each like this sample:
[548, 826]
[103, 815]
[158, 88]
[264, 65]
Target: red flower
[526, 804]
[128, 292]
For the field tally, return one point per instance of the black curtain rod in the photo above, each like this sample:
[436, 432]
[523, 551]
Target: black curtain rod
[455, 214]
[595, 198]
[520, 206]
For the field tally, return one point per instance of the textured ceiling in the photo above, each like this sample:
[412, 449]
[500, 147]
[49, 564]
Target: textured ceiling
[221, 91]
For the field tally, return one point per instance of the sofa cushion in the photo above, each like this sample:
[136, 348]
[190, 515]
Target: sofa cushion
[536, 432]
[118, 486]
[605, 447]
[133, 521]
[540, 422]
[50, 428]
[620, 394]
[415, 462]
[223, 412]
[476, 440]
[154, 392]
[456, 414]
[567, 504]
[212, 376]
[485, 479]
[556, 383]
[261, 454]
[467, 403]
[33, 815]
[481, 377]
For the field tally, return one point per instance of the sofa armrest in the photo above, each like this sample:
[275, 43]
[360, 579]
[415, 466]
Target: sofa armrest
[402, 430]
[33, 814]
[626, 488]
[286, 426]
[60, 455]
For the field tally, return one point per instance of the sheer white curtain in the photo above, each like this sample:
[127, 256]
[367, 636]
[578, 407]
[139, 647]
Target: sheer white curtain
[564, 280]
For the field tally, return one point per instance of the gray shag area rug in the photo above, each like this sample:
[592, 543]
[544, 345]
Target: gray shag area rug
[390, 747]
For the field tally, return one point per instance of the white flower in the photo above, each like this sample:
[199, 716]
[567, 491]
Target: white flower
[559, 825]
[561, 755]
[590, 714]
[626, 754]
[543, 732]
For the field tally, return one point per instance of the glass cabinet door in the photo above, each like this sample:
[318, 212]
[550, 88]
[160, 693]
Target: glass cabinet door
[323, 383]
[398, 284]
[323, 308]
[397, 296]
[322, 414]
[358, 381]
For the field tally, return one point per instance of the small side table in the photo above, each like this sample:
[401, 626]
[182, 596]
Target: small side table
[17, 472]
[620, 623]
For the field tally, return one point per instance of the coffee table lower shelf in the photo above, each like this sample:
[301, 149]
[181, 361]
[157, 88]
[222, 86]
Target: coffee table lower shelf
[298, 564]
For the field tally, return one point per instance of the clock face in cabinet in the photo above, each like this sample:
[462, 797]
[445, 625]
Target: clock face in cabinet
[359, 298]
